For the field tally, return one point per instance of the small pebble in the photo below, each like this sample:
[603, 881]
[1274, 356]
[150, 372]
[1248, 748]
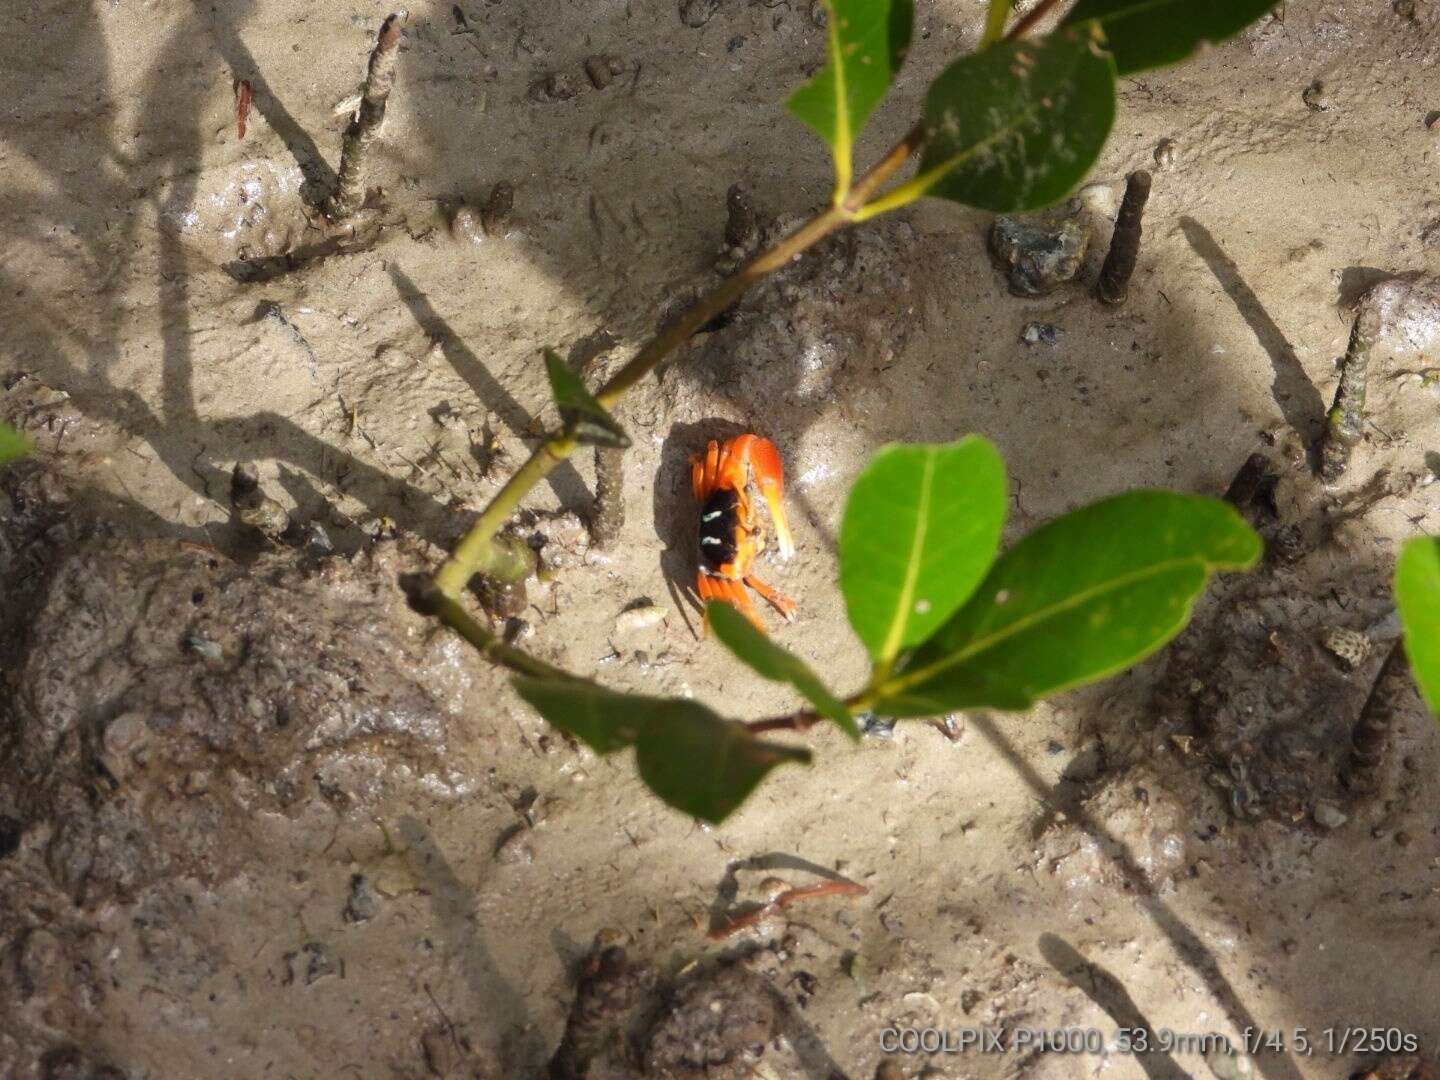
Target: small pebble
[466, 226]
[601, 70]
[1039, 255]
[697, 13]
[1329, 816]
[200, 646]
[1038, 333]
[362, 903]
[498, 207]
[515, 848]
[1317, 98]
[1351, 647]
[818, 13]
[876, 726]
[1403, 838]
[556, 87]
[640, 618]
[1406, 9]
[1165, 153]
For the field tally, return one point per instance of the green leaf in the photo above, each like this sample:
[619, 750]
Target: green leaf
[602, 719]
[1079, 599]
[693, 759]
[703, 765]
[1017, 126]
[585, 419]
[13, 445]
[921, 527]
[1417, 595]
[868, 40]
[1147, 34]
[766, 658]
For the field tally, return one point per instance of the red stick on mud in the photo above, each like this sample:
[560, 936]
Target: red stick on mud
[243, 96]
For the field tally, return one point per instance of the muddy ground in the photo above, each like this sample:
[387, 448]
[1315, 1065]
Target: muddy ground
[260, 819]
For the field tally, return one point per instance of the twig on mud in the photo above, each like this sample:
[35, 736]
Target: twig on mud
[1372, 731]
[349, 193]
[784, 900]
[608, 515]
[244, 94]
[803, 720]
[1346, 418]
[1119, 265]
[607, 989]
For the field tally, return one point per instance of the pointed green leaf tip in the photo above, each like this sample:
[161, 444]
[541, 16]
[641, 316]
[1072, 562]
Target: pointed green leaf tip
[13, 445]
[1079, 599]
[699, 763]
[1146, 34]
[921, 527]
[585, 419]
[772, 662]
[867, 42]
[1417, 595]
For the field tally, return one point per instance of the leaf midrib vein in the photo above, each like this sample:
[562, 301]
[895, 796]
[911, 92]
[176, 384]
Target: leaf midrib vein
[912, 678]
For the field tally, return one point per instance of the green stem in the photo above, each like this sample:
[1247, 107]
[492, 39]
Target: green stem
[995, 22]
[474, 553]
[449, 611]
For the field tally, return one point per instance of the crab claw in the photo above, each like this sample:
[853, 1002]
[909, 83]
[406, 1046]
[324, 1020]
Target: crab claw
[769, 476]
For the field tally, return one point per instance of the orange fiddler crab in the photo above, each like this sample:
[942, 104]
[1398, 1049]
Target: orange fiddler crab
[731, 532]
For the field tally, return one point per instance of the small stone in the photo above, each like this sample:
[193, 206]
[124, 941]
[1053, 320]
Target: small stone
[1038, 333]
[197, 782]
[1291, 946]
[601, 70]
[641, 617]
[1351, 647]
[818, 15]
[773, 887]
[1406, 9]
[126, 732]
[696, 13]
[514, 847]
[735, 43]
[1039, 255]
[1317, 97]
[1166, 152]
[1328, 815]
[498, 207]
[317, 542]
[555, 87]
[467, 227]
[200, 646]
[1403, 838]
[362, 902]
[312, 962]
[877, 726]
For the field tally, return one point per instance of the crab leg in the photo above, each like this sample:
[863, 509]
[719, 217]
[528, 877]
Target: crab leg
[783, 604]
[729, 592]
